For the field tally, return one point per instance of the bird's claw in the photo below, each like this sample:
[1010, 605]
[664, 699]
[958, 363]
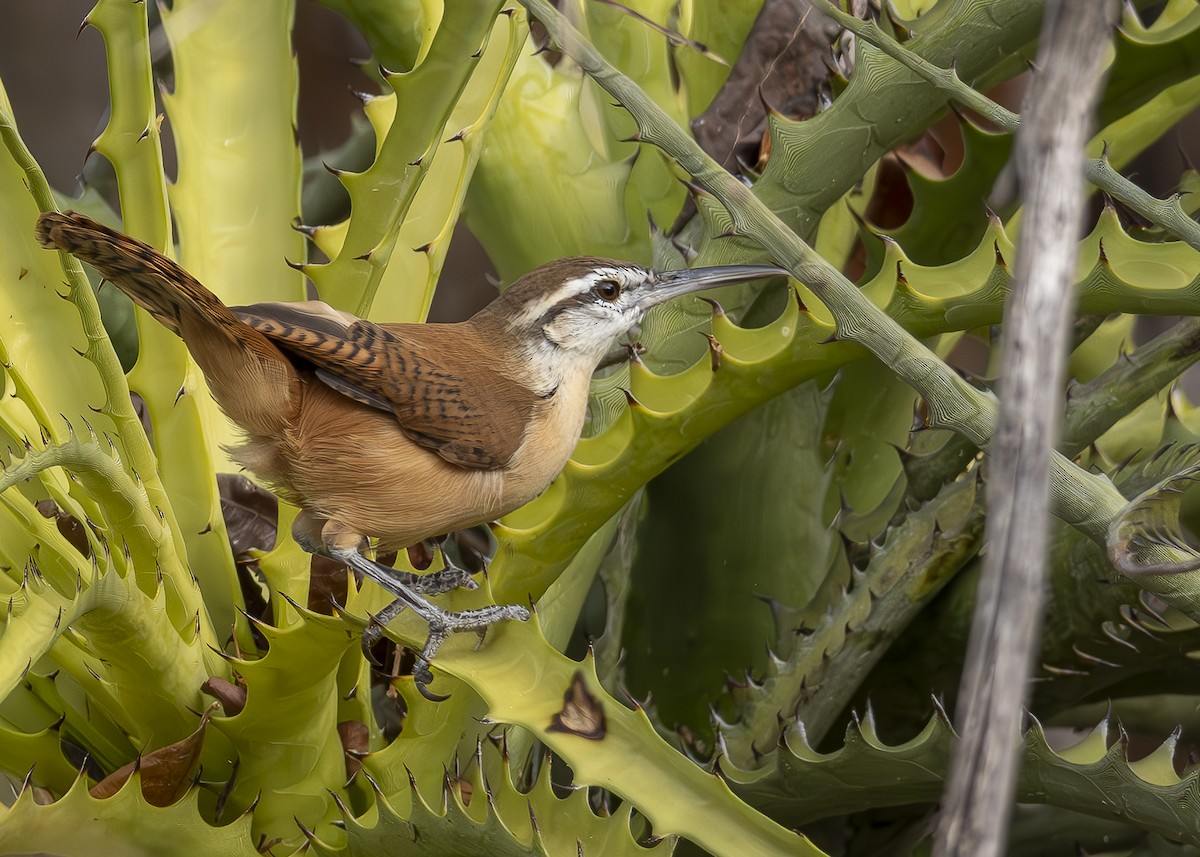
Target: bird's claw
[422, 681]
[370, 636]
[410, 591]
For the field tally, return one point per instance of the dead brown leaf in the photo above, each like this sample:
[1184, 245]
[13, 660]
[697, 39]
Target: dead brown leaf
[166, 773]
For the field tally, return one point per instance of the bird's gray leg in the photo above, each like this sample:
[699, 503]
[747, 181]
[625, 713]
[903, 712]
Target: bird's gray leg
[442, 623]
[409, 589]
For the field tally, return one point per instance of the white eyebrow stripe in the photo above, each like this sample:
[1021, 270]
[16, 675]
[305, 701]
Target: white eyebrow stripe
[627, 277]
[546, 302]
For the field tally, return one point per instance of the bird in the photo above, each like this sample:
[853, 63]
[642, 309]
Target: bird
[392, 434]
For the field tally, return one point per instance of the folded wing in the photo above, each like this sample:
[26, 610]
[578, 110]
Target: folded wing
[440, 401]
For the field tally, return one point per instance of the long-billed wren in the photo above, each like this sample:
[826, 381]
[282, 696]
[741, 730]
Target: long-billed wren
[398, 432]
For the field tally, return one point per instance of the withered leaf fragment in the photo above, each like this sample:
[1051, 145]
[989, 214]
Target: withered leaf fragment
[355, 738]
[581, 713]
[68, 525]
[251, 514]
[231, 696]
[166, 773]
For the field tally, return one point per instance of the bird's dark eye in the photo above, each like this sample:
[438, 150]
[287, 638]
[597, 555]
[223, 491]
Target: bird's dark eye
[607, 290]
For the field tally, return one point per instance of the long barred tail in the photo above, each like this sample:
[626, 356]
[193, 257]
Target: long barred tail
[153, 281]
[248, 375]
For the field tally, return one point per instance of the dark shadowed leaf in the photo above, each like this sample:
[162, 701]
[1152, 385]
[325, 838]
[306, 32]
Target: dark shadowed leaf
[327, 585]
[356, 742]
[251, 514]
[68, 525]
[231, 696]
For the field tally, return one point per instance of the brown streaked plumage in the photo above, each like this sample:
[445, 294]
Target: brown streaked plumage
[397, 432]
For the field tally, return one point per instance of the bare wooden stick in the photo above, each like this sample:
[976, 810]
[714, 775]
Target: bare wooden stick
[1008, 612]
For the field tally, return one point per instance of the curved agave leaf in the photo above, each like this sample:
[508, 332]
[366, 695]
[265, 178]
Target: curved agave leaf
[291, 762]
[410, 269]
[1093, 776]
[809, 168]
[674, 412]
[131, 142]
[756, 511]
[126, 823]
[833, 652]
[1149, 523]
[149, 657]
[1095, 642]
[606, 744]
[399, 33]
[381, 196]
[936, 232]
[1148, 60]
[478, 809]
[38, 753]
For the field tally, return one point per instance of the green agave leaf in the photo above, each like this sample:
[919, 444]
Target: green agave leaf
[149, 662]
[132, 143]
[616, 582]
[1106, 639]
[1158, 106]
[381, 196]
[605, 743]
[37, 753]
[1148, 61]
[232, 113]
[1133, 436]
[124, 510]
[554, 122]
[751, 525]
[83, 704]
[871, 414]
[584, 209]
[834, 652]
[936, 232]
[132, 138]
[37, 615]
[909, 10]
[478, 809]
[809, 169]
[741, 517]
[674, 412]
[127, 825]
[148, 658]
[885, 104]
[435, 732]
[406, 285]
[291, 765]
[1100, 637]
[1094, 777]
[1148, 524]
[50, 377]
[146, 666]
[399, 33]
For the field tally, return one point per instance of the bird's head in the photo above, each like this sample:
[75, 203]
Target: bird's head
[578, 306]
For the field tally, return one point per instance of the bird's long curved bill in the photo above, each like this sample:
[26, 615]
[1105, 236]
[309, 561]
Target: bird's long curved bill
[672, 284]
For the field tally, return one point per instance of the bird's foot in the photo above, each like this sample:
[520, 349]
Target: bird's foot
[442, 624]
[410, 590]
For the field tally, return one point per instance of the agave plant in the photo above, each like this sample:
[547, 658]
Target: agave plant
[174, 674]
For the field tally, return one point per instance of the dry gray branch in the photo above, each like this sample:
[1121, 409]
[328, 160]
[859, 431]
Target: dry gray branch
[1008, 614]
